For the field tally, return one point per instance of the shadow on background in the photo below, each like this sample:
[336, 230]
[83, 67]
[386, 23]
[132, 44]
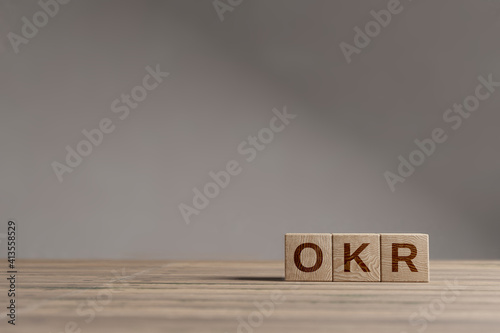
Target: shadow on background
[249, 278]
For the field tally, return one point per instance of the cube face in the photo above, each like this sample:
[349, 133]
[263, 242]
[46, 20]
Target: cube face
[356, 257]
[404, 257]
[308, 257]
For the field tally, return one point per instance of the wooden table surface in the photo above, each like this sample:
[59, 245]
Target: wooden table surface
[154, 296]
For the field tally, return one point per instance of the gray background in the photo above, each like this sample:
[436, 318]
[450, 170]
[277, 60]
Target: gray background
[323, 173]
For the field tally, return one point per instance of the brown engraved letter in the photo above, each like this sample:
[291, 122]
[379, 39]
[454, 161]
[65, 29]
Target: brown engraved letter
[396, 258]
[319, 257]
[348, 257]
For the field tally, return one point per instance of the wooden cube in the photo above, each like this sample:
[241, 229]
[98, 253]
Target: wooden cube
[308, 257]
[356, 257]
[405, 257]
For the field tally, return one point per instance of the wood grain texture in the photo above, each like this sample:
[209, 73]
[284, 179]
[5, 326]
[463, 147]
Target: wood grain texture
[193, 297]
[405, 246]
[308, 257]
[369, 256]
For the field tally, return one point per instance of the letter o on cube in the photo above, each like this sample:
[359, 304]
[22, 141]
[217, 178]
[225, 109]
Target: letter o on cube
[308, 257]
